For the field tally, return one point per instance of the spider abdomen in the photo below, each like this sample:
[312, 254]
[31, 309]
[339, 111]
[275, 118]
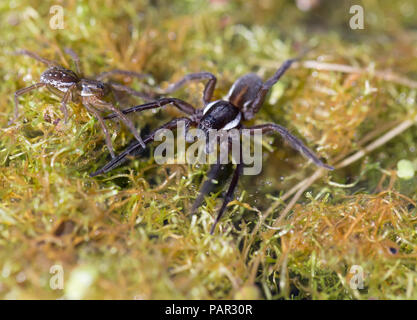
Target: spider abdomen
[59, 78]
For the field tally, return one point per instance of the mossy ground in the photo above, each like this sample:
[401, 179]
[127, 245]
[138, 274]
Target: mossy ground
[128, 234]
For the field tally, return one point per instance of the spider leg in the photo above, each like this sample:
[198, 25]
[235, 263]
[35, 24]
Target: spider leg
[107, 74]
[296, 143]
[136, 148]
[120, 87]
[76, 60]
[103, 127]
[208, 89]
[217, 174]
[180, 104]
[35, 56]
[124, 119]
[249, 112]
[64, 102]
[132, 92]
[229, 194]
[19, 93]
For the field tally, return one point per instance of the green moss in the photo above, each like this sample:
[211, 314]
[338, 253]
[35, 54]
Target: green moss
[129, 234]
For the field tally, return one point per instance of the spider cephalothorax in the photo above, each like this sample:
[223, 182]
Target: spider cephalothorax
[243, 101]
[220, 115]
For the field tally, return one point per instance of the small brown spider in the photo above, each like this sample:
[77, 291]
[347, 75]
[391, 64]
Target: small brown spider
[244, 100]
[70, 85]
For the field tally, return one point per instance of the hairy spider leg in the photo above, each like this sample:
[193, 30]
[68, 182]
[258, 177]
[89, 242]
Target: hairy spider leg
[76, 60]
[133, 149]
[19, 93]
[180, 104]
[217, 174]
[35, 56]
[65, 100]
[229, 195]
[135, 93]
[199, 76]
[134, 74]
[296, 143]
[123, 118]
[100, 119]
[120, 87]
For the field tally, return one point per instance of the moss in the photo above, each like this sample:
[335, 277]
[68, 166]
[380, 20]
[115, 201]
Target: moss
[293, 231]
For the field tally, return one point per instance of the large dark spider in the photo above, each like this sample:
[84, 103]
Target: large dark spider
[70, 85]
[243, 101]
